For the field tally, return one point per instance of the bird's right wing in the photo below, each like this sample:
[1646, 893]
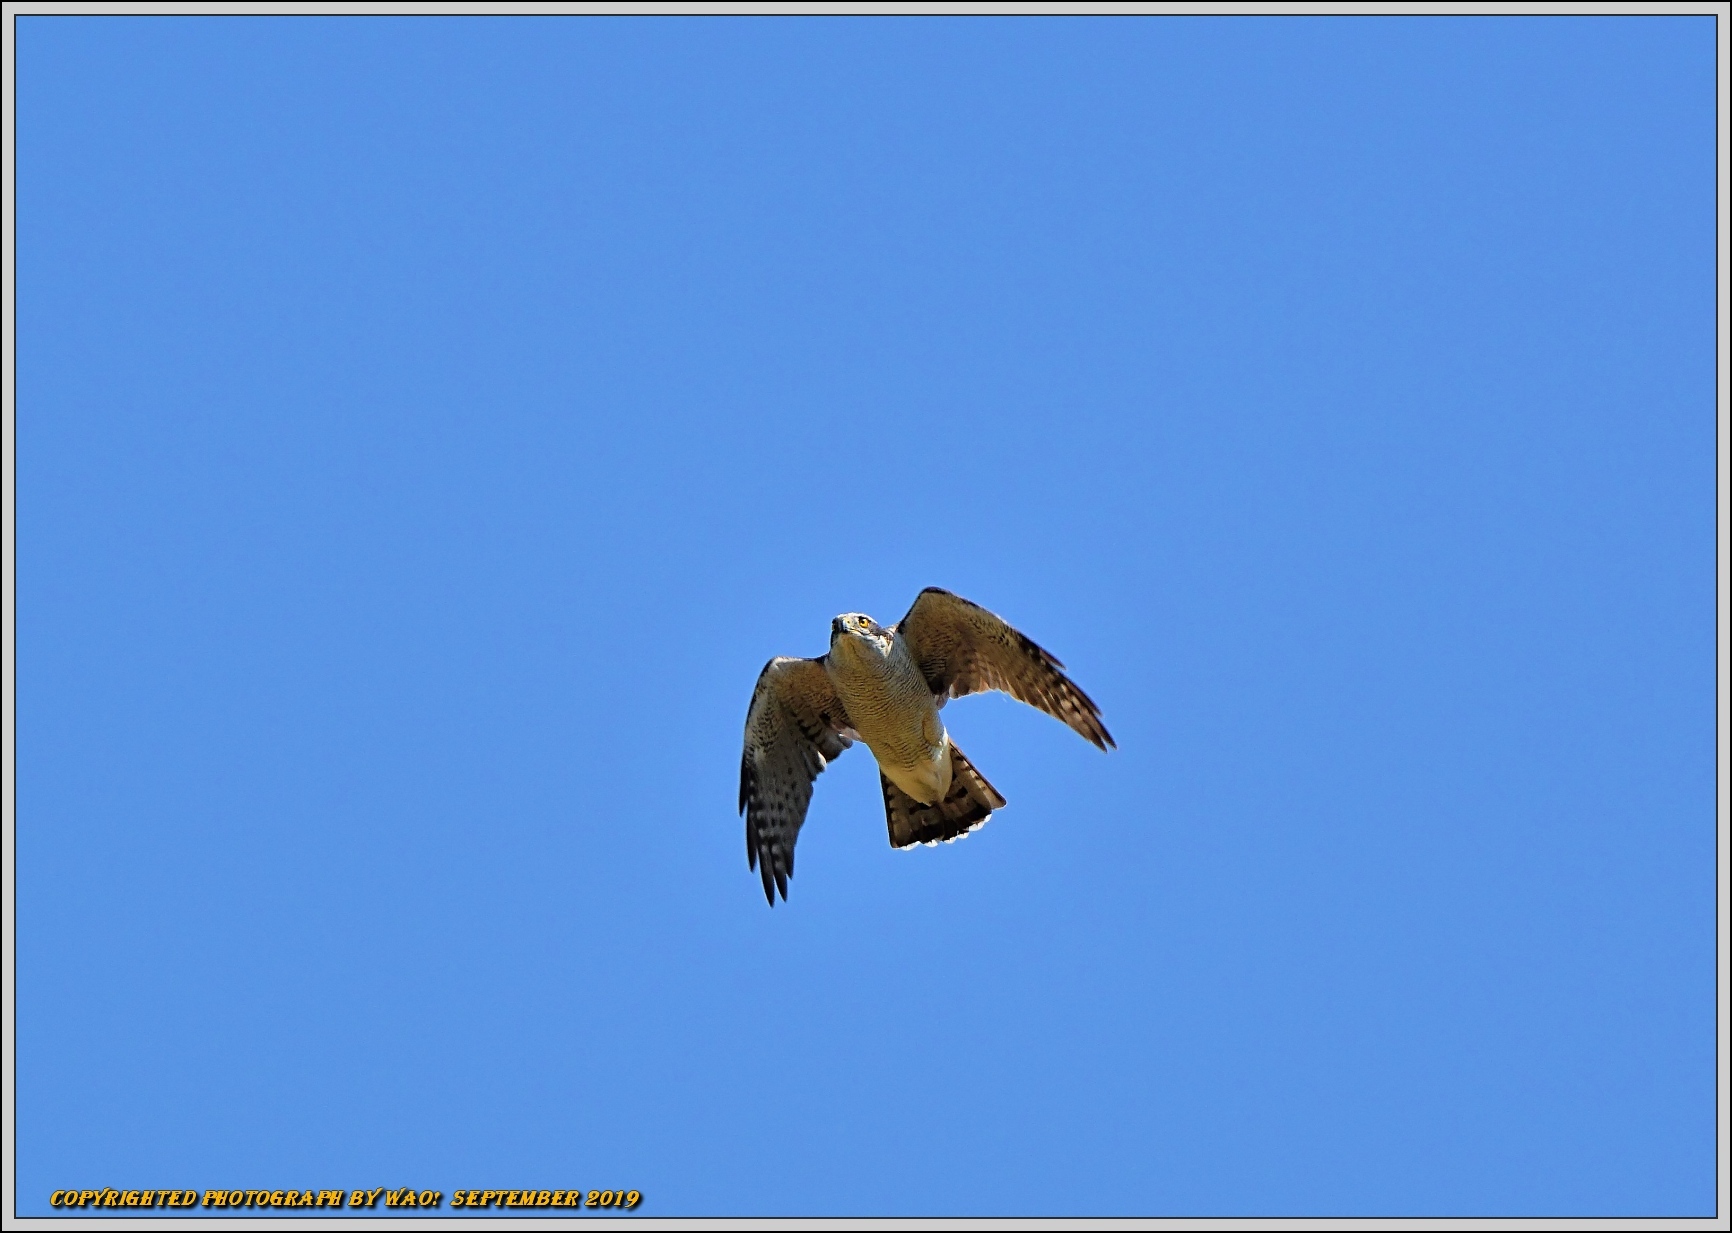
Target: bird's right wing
[796, 726]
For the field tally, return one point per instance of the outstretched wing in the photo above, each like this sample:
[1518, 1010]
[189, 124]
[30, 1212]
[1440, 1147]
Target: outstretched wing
[796, 726]
[963, 649]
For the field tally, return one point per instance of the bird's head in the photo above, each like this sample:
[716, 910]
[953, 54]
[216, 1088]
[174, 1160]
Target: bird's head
[863, 631]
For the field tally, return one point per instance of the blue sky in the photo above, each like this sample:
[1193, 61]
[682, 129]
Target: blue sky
[428, 428]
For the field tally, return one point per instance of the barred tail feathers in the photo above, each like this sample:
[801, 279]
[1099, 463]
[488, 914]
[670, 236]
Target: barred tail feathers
[966, 807]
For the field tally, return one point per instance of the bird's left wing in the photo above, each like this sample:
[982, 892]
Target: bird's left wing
[796, 726]
[963, 649]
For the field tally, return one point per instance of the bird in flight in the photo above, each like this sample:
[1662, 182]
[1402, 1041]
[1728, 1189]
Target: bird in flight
[884, 687]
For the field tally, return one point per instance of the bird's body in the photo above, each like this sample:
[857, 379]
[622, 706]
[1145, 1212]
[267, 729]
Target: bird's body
[890, 705]
[884, 687]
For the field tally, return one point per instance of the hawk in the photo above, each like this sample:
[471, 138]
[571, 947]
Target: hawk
[884, 687]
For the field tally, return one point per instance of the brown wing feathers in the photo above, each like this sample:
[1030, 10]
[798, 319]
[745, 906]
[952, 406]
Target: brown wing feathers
[795, 727]
[963, 649]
